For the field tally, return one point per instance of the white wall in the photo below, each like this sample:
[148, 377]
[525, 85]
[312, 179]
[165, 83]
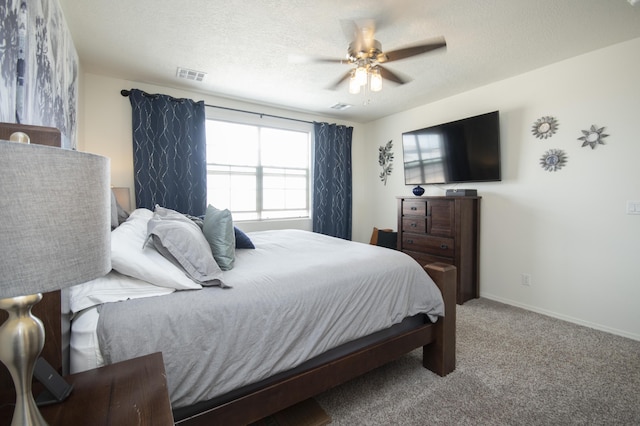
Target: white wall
[568, 229]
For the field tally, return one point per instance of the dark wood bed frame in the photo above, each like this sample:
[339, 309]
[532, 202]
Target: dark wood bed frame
[438, 341]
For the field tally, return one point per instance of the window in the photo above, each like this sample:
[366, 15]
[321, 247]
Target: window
[421, 150]
[258, 172]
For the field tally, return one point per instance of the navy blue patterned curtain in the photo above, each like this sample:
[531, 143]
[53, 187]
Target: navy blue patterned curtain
[332, 180]
[169, 152]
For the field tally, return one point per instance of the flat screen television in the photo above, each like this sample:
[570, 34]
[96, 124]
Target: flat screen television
[466, 150]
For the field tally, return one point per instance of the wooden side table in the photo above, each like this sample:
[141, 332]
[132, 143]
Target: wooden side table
[132, 392]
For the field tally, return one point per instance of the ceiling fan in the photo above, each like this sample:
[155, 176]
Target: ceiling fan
[366, 57]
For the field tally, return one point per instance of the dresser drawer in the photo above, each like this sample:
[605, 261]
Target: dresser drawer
[414, 224]
[416, 208]
[437, 246]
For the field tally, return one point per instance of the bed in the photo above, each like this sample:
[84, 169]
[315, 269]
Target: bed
[296, 314]
[223, 368]
[279, 375]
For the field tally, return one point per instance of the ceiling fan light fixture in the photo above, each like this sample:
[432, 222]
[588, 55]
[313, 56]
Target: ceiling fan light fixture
[367, 61]
[376, 80]
[354, 86]
[361, 75]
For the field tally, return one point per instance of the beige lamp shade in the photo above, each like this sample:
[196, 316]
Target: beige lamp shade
[123, 196]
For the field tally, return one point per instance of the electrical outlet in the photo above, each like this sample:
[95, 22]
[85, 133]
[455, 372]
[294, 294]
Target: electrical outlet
[525, 279]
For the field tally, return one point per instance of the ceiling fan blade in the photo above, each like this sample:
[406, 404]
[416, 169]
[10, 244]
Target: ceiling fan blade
[349, 29]
[407, 52]
[360, 33]
[335, 85]
[367, 30]
[391, 76]
[306, 59]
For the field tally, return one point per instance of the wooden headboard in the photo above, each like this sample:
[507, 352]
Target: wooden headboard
[39, 135]
[56, 341]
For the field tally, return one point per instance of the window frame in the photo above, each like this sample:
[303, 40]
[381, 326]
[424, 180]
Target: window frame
[277, 124]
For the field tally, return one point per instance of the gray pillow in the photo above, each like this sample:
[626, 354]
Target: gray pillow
[218, 230]
[123, 215]
[181, 241]
[118, 214]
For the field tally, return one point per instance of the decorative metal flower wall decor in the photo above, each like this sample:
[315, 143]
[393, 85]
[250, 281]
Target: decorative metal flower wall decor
[593, 137]
[544, 127]
[553, 160]
[385, 159]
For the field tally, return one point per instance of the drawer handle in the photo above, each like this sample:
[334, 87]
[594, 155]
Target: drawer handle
[414, 208]
[409, 241]
[444, 246]
[413, 225]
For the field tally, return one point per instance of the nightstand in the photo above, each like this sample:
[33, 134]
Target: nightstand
[132, 392]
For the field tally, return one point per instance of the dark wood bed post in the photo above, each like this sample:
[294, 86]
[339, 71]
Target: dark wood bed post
[440, 356]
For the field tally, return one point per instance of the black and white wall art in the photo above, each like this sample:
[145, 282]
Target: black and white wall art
[39, 67]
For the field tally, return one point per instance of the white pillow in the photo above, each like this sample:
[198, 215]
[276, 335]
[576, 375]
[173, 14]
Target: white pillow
[129, 256]
[113, 287]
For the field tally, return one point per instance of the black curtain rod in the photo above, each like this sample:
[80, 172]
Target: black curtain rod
[126, 93]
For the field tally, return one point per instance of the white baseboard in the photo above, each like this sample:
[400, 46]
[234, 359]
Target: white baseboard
[552, 314]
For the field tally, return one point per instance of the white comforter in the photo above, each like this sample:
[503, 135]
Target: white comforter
[297, 295]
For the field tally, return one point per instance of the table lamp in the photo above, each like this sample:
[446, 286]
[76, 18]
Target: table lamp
[123, 197]
[54, 233]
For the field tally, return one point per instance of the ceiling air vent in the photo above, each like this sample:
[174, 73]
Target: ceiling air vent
[188, 74]
[341, 107]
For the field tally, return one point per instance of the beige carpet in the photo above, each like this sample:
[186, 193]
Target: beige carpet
[514, 367]
[305, 413]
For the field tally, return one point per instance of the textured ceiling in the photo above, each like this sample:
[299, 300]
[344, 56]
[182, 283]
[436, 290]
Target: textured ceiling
[244, 46]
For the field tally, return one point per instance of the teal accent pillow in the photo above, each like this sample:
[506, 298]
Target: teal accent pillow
[218, 230]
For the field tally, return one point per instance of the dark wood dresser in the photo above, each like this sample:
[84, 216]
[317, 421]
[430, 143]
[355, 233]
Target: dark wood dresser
[443, 229]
